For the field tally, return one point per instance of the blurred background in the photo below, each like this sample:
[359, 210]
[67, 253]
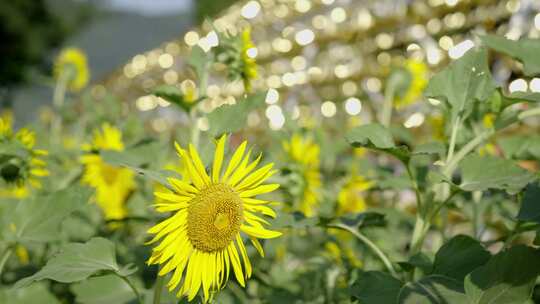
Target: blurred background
[109, 31]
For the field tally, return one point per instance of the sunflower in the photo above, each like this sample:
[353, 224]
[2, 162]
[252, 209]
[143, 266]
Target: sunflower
[305, 153]
[71, 63]
[249, 72]
[201, 242]
[419, 78]
[113, 184]
[350, 199]
[21, 171]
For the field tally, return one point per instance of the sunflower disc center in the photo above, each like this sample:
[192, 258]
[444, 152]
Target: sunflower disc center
[214, 218]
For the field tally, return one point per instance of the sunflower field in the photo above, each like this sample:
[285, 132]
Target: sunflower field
[287, 151]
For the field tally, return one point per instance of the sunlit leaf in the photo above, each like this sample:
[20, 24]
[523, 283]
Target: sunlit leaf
[375, 136]
[480, 173]
[525, 50]
[231, 118]
[464, 82]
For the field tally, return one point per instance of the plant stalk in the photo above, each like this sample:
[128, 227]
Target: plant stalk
[5, 257]
[59, 96]
[135, 291]
[374, 248]
[386, 114]
[160, 281]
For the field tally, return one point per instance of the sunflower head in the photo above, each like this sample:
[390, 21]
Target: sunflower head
[213, 215]
[418, 75]
[21, 165]
[238, 54]
[303, 152]
[113, 184]
[350, 197]
[71, 64]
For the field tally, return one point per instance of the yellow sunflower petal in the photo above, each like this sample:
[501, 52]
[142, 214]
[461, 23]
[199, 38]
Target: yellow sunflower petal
[235, 160]
[260, 232]
[235, 261]
[218, 158]
[259, 190]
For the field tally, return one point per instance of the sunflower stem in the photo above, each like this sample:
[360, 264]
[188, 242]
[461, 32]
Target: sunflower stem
[386, 114]
[5, 257]
[59, 96]
[160, 281]
[374, 248]
[135, 291]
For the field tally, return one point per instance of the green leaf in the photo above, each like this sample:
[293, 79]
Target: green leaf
[173, 95]
[39, 219]
[464, 82]
[480, 173]
[459, 256]
[375, 136]
[105, 289]
[530, 204]
[364, 219]
[525, 50]
[136, 156]
[35, 294]
[433, 289]
[374, 287]
[198, 59]
[508, 277]
[78, 261]
[518, 97]
[231, 118]
[419, 260]
[435, 147]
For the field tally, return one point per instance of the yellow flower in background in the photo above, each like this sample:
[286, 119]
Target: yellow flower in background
[436, 123]
[189, 91]
[201, 241]
[249, 72]
[305, 153]
[488, 121]
[419, 79]
[72, 64]
[21, 174]
[350, 197]
[338, 251]
[113, 184]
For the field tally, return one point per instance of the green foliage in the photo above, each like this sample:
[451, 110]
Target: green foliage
[487, 172]
[76, 262]
[377, 137]
[462, 84]
[173, 95]
[36, 293]
[508, 277]
[374, 287]
[38, 219]
[104, 289]
[458, 257]
[231, 118]
[530, 204]
[433, 289]
[525, 50]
